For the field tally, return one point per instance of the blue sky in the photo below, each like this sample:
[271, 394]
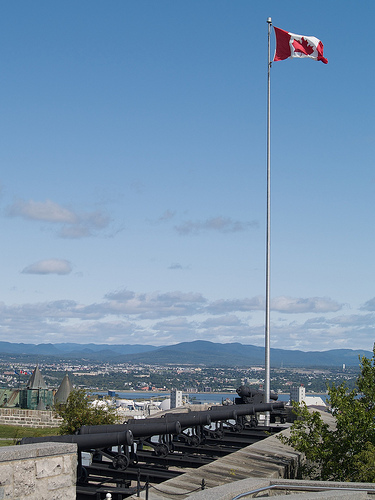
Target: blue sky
[133, 173]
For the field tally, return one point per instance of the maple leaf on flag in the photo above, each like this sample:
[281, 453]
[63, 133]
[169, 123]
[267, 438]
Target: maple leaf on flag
[303, 46]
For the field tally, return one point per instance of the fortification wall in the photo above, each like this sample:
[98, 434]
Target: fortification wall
[29, 418]
[43, 471]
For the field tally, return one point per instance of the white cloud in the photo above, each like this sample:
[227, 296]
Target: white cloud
[167, 318]
[49, 266]
[73, 224]
[46, 211]
[167, 215]
[228, 320]
[369, 305]
[303, 305]
[177, 265]
[224, 306]
[176, 326]
[219, 224]
[154, 305]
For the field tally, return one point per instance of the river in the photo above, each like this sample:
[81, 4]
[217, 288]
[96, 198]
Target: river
[194, 397]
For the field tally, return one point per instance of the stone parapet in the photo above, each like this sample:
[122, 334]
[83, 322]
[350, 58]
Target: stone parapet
[43, 471]
[29, 418]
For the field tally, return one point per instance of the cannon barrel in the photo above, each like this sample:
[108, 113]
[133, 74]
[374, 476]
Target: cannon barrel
[172, 423]
[156, 428]
[231, 412]
[223, 413]
[246, 391]
[188, 419]
[145, 427]
[86, 442]
[191, 419]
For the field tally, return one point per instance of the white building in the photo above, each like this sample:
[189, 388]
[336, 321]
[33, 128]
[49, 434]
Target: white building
[176, 398]
[297, 394]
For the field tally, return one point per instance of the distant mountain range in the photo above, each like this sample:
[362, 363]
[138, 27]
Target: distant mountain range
[198, 352]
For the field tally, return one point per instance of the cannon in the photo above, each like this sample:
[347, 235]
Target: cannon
[252, 396]
[178, 423]
[144, 430]
[248, 395]
[169, 424]
[139, 428]
[85, 442]
[122, 453]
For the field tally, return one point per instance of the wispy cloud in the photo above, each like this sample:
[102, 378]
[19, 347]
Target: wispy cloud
[46, 211]
[304, 305]
[177, 266]
[369, 305]
[286, 305]
[154, 305]
[219, 224]
[73, 224]
[49, 266]
[167, 215]
[159, 318]
[245, 305]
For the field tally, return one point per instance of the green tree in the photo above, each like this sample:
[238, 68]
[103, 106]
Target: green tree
[78, 411]
[345, 452]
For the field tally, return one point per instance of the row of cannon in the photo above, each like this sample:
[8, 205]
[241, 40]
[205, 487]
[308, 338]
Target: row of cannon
[171, 424]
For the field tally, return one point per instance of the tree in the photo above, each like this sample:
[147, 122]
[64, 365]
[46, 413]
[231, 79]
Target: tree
[78, 411]
[345, 452]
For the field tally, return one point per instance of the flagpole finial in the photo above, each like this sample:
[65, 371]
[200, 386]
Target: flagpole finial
[269, 20]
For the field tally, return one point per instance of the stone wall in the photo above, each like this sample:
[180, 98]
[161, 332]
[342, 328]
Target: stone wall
[29, 418]
[43, 471]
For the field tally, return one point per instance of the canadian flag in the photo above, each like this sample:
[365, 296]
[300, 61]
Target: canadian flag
[292, 45]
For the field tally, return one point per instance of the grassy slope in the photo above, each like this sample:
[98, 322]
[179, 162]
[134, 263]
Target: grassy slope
[9, 434]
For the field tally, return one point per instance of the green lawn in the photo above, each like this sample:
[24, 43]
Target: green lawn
[6, 442]
[15, 432]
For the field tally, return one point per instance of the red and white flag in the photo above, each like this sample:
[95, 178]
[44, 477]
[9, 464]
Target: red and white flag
[292, 45]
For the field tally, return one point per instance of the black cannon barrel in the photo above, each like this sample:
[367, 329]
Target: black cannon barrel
[248, 392]
[233, 411]
[186, 419]
[191, 419]
[223, 413]
[250, 409]
[145, 427]
[86, 442]
[156, 428]
[172, 423]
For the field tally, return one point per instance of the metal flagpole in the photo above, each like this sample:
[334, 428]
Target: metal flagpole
[268, 237]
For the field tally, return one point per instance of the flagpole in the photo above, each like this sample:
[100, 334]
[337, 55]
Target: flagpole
[268, 237]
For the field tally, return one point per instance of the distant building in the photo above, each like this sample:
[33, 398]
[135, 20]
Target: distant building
[297, 394]
[63, 391]
[36, 396]
[176, 398]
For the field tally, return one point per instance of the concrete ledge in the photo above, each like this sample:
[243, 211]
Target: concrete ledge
[282, 489]
[36, 450]
[40, 471]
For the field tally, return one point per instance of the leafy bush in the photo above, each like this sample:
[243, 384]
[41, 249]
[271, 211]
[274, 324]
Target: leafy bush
[345, 452]
[78, 411]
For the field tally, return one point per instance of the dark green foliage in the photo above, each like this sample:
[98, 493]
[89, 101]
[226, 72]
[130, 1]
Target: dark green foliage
[346, 452]
[78, 411]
